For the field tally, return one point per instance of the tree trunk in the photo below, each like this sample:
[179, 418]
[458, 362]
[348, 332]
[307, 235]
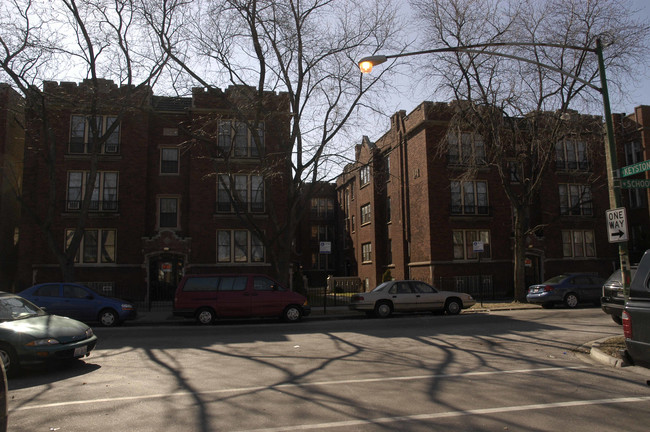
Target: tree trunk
[520, 229]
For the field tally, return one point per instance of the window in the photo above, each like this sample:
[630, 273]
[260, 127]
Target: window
[388, 211]
[168, 160]
[571, 155]
[464, 244]
[366, 252]
[365, 214]
[239, 247]
[387, 167]
[353, 221]
[261, 283]
[237, 140]
[322, 232]
[104, 195]
[469, 197]
[82, 134]
[322, 207]
[465, 148]
[248, 193]
[97, 246]
[168, 212]
[320, 261]
[389, 251]
[575, 199]
[364, 175]
[578, 243]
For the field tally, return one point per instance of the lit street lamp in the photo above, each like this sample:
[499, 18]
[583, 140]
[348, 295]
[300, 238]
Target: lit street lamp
[366, 64]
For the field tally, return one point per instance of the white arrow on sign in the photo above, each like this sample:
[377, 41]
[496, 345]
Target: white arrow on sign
[616, 225]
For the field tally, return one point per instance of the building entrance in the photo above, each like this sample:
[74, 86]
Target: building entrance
[165, 272]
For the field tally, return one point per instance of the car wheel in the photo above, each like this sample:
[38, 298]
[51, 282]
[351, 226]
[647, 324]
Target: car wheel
[9, 358]
[383, 309]
[108, 318]
[205, 316]
[453, 306]
[617, 319]
[292, 313]
[571, 300]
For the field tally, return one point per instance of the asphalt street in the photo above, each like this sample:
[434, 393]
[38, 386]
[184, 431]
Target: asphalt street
[506, 370]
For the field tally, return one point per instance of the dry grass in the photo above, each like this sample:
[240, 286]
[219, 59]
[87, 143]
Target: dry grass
[502, 305]
[613, 345]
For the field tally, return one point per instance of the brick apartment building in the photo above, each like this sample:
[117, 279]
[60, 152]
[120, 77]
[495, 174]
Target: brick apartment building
[12, 143]
[633, 146]
[176, 180]
[163, 205]
[405, 209]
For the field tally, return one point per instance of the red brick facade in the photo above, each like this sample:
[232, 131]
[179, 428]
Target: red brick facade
[416, 241]
[159, 212]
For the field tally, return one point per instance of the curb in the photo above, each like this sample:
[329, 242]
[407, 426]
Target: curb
[597, 354]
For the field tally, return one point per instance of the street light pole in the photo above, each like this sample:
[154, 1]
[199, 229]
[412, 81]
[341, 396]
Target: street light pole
[366, 64]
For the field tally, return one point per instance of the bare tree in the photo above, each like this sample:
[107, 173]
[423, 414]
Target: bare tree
[522, 108]
[304, 49]
[93, 40]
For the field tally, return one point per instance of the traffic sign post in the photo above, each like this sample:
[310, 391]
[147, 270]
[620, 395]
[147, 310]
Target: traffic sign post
[617, 225]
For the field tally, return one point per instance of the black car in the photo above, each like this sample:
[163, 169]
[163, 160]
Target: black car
[613, 300]
[636, 316]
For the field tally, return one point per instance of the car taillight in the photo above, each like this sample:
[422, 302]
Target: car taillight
[356, 298]
[548, 288]
[627, 325]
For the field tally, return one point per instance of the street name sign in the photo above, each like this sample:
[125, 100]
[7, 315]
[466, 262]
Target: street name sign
[616, 225]
[635, 169]
[635, 184]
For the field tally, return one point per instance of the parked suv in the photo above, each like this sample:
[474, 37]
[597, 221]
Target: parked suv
[613, 300]
[636, 316]
[208, 297]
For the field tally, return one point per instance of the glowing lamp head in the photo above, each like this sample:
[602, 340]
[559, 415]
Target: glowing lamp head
[366, 63]
[365, 66]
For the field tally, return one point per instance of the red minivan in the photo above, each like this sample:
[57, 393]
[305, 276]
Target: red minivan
[206, 297]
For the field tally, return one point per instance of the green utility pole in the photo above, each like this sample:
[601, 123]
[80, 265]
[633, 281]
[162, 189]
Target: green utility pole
[612, 166]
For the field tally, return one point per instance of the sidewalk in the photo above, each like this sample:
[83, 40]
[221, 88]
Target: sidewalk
[163, 317]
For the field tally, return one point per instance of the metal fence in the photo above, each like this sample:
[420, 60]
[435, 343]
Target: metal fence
[479, 287]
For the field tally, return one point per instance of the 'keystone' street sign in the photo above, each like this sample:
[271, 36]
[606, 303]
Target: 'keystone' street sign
[616, 225]
[635, 184]
[635, 169]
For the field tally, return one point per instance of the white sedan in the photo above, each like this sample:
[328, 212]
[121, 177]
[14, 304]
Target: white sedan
[409, 296]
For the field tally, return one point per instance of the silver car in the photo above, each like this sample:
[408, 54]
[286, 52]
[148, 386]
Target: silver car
[409, 296]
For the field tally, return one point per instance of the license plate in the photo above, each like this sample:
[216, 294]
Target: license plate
[81, 351]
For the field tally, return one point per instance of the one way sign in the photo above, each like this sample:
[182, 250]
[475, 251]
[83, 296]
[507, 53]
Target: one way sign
[616, 225]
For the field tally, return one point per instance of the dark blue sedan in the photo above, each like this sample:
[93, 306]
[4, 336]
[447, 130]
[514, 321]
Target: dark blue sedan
[570, 289]
[79, 302]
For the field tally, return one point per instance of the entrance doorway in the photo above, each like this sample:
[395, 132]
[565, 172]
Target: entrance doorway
[165, 272]
[533, 272]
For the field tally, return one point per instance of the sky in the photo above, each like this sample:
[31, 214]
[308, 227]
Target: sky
[408, 98]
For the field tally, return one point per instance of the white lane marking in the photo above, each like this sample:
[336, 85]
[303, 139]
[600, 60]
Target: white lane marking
[293, 385]
[448, 414]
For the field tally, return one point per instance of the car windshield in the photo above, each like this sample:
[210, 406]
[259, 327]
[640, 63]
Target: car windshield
[556, 279]
[14, 308]
[381, 287]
